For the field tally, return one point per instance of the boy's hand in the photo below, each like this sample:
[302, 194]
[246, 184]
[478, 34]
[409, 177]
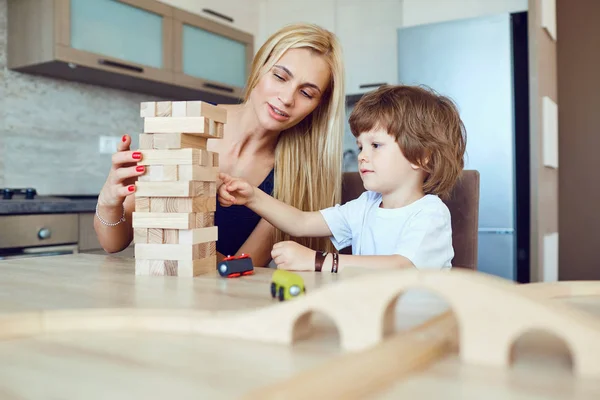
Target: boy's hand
[234, 191]
[293, 256]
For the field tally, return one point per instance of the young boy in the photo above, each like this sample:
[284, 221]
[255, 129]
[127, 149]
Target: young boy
[411, 142]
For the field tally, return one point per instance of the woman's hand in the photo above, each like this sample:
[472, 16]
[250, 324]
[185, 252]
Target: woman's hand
[123, 174]
[293, 256]
[234, 191]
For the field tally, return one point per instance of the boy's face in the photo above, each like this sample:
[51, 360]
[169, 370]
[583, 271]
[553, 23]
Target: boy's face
[383, 168]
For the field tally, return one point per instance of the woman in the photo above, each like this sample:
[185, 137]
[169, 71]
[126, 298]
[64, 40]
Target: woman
[286, 137]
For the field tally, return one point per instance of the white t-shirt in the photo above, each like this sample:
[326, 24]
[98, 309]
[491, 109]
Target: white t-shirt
[420, 231]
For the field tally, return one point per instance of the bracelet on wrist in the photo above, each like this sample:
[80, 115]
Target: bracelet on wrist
[121, 220]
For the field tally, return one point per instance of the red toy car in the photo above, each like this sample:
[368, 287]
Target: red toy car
[234, 266]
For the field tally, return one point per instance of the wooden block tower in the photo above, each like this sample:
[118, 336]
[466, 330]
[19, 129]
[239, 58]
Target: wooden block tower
[175, 200]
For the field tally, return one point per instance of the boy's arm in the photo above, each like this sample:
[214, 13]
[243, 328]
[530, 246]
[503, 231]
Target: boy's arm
[372, 262]
[287, 218]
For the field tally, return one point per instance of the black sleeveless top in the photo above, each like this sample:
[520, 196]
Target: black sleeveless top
[236, 223]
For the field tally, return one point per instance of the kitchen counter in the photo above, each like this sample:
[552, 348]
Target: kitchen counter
[48, 204]
[155, 363]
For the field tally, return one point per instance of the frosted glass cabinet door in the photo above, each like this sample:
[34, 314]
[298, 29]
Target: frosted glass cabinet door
[120, 30]
[209, 56]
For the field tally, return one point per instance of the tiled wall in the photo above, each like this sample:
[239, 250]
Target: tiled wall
[49, 129]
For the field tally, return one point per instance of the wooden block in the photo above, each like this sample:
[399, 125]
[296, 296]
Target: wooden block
[166, 220]
[185, 268]
[204, 220]
[215, 159]
[168, 141]
[197, 204]
[220, 129]
[179, 109]
[148, 109]
[146, 141]
[175, 189]
[199, 235]
[160, 173]
[140, 235]
[202, 109]
[198, 173]
[190, 268]
[171, 236]
[163, 109]
[155, 235]
[190, 252]
[150, 267]
[177, 157]
[142, 204]
[191, 125]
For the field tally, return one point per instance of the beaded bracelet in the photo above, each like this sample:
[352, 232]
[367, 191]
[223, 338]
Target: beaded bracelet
[110, 223]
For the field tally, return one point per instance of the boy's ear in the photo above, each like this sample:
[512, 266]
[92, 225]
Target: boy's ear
[422, 163]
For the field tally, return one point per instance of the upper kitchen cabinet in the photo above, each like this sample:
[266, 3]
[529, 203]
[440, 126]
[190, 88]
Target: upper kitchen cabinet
[238, 14]
[209, 56]
[275, 14]
[368, 34]
[143, 46]
[126, 44]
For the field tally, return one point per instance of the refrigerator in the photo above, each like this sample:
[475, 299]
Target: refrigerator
[481, 63]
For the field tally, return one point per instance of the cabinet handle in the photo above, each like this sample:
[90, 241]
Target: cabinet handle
[370, 85]
[217, 87]
[120, 65]
[217, 14]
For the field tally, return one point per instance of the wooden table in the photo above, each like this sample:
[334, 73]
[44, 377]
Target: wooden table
[127, 365]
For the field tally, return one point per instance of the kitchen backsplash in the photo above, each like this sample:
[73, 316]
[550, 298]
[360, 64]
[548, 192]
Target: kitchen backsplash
[50, 129]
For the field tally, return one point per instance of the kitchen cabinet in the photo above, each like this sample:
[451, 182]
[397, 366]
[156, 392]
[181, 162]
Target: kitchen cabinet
[238, 14]
[368, 34]
[275, 14]
[209, 56]
[134, 45]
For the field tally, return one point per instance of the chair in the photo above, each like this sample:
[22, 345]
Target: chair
[463, 204]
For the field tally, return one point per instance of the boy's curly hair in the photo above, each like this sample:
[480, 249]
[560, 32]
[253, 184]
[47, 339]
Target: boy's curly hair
[426, 125]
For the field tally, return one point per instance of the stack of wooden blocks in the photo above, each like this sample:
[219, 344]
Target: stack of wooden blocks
[175, 199]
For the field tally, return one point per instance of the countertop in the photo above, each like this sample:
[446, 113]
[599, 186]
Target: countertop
[157, 364]
[48, 204]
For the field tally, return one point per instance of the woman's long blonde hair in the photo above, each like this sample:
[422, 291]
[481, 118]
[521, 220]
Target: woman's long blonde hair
[308, 157]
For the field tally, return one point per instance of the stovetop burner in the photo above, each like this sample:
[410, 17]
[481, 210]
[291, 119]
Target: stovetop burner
[8, 193]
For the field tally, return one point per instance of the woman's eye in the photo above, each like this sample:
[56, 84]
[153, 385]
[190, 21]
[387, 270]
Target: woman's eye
[278, 77]
[306, 94]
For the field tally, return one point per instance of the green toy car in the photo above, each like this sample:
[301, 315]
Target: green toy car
[286, 285]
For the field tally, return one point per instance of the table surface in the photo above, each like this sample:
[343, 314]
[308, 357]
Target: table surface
[152, 365]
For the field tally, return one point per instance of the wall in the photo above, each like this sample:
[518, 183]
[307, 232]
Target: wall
[49, 129]
[416, 12]
[579, 121]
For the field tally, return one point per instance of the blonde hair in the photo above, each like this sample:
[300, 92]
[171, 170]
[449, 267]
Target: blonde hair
[308, 157]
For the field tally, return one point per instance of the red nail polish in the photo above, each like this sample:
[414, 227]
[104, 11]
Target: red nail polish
[131, 188]
[139, 168]
[124, 138]
[137, 155]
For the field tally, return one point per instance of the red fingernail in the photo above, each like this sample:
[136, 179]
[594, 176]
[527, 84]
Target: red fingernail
[124, 138]
[139, 168]
[137, 155]
[131, 188]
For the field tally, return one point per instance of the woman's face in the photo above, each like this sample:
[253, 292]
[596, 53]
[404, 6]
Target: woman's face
[291, 90]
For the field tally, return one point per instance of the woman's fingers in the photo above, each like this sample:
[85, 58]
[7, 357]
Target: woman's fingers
[126, 157]
[124, 173]
[124, 143]
[124, 191]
